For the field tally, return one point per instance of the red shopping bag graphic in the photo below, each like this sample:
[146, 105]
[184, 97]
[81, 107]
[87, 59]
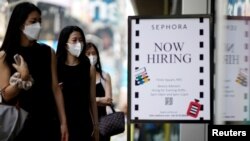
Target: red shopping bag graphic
[194, 108]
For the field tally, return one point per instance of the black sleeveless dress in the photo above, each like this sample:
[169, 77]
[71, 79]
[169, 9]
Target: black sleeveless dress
[42, 123]
[76, 90]
[100, 92]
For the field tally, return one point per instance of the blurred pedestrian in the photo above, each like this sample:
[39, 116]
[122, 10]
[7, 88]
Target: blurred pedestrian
[77, 80]
[103, 83]
[33, 67]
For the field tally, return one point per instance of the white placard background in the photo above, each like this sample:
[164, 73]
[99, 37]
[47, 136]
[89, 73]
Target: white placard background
[237, 67]
[171, 86]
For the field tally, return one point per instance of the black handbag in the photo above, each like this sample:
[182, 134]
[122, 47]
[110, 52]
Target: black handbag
[112, 124]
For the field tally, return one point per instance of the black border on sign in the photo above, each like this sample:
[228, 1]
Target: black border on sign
[211, 51]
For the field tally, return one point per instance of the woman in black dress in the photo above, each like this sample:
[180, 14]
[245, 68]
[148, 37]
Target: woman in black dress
[34, 61]
[103, 83]
[77, 79]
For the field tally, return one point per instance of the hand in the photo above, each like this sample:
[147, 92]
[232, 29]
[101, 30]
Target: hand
[104, 101]
[64, 133]
[95, 133]
[21, 66]
[109, 100]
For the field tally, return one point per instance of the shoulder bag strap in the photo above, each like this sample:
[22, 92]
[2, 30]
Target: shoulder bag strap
[112, 107]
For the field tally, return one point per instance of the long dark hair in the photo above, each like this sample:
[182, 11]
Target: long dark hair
[98, 65]
[12, 38]
[61, 51]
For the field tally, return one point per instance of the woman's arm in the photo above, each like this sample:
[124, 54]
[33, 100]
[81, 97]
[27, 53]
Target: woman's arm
[58, 98]
[93, 104]
[11, 91]
[108, 87]
[107, 100]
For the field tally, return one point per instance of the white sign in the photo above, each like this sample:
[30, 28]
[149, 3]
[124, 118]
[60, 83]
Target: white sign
[170, 69]
[237, 70]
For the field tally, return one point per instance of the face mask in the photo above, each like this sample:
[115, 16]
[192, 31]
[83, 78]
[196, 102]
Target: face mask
[32, 31]
[93, 59]
[75, 49]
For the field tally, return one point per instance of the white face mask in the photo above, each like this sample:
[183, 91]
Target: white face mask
[93, 59]
[75, 49]
[32, 31]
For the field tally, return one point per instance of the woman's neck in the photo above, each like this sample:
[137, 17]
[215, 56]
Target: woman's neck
[25, 42]
[72, 61]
